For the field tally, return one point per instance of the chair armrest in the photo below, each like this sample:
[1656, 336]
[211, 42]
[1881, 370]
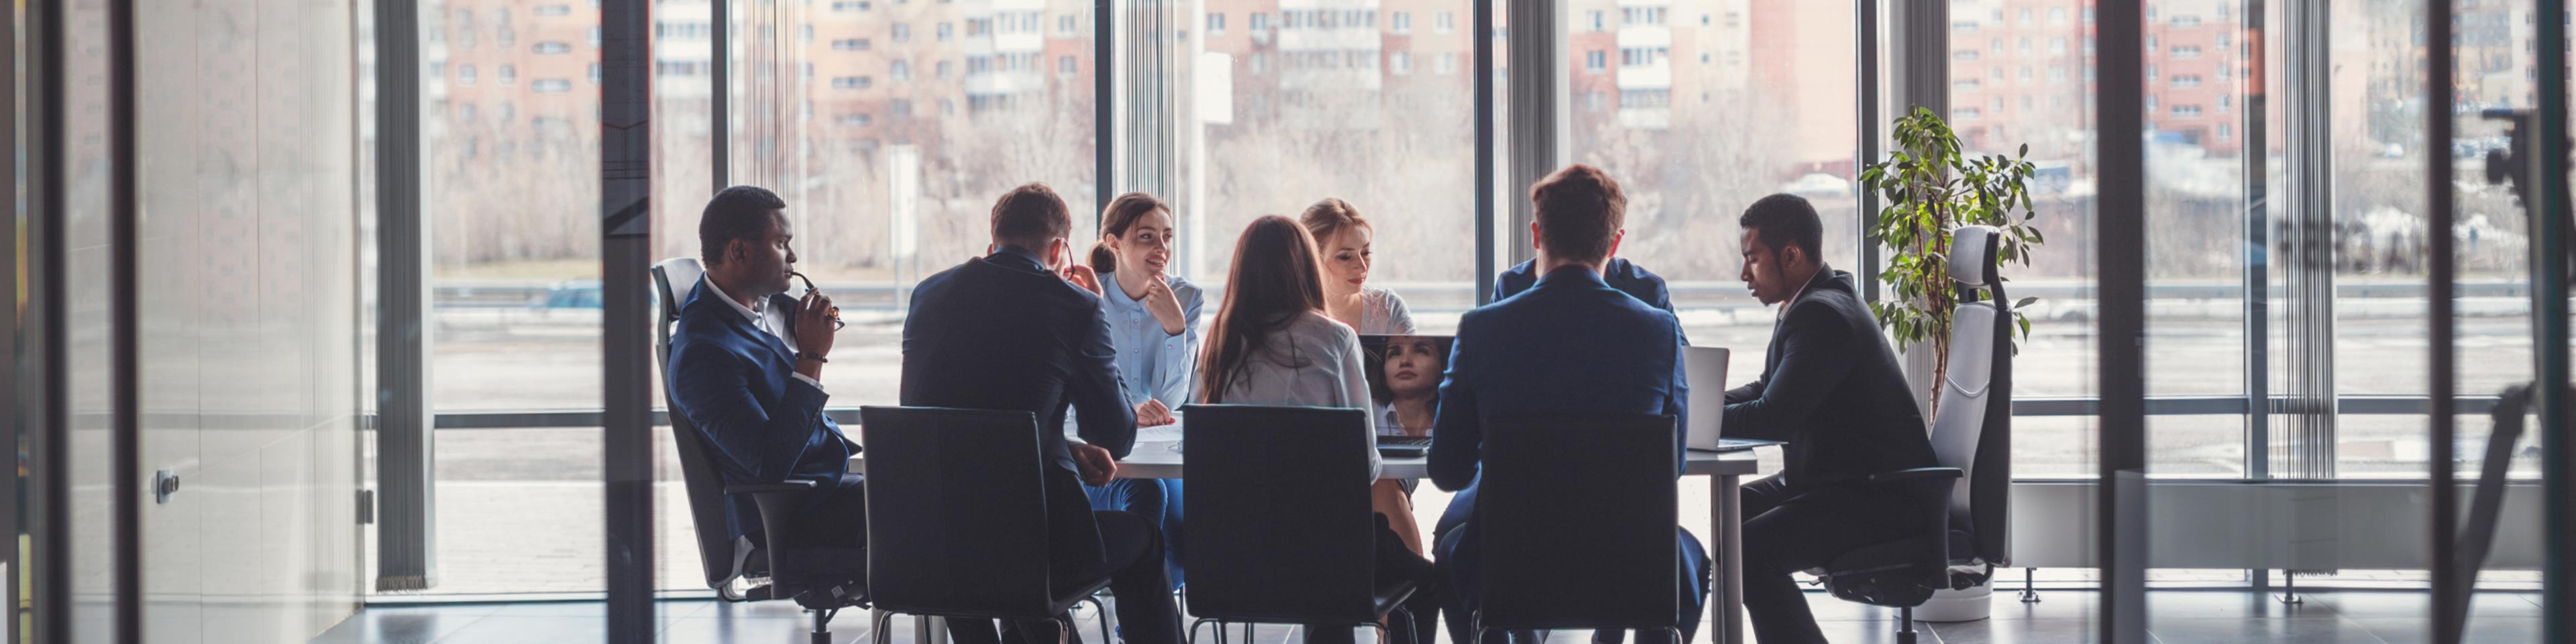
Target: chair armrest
[764, 488]
[1918, 474]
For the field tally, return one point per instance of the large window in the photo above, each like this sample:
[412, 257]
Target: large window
[1327, 107]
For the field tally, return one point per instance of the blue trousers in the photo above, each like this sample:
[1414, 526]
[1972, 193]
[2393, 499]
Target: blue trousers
[1158, 501]
[1455, 542]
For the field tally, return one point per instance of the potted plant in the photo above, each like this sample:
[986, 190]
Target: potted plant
[1930, 189]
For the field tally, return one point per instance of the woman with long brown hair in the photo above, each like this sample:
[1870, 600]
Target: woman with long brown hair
[1272, 344]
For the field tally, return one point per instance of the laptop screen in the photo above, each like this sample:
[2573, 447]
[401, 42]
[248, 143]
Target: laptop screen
[1404, 376]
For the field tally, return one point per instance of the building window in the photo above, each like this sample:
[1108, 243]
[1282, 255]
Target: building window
[1065, 65]
[899, 107]
[1399, 62]
[2226, 133]
[554, 10]
[1643, 56]
[2057, 46]
[594, 37]
[550, 48]
[594, 73]
[550, 85]
[1996, 46]
[1446, 64]
[1645, 99]
[847, 6]
[901, 70]
[2024, 17]
[1444, 22]
[1401, 22]
[946, 68]
[1963, 54]
[2186, 51]
[465, 75]
[851, 82]
[2025, 45]
[2226, 102]
[509, 75]
[902, 32]
[1968, 114]
[2056, 16]
[2186, 111]
[855, 120]
[1258, 21]
[1597, 19]
[2056, 73]
[2186, 80]
[1216, 23]
[1065, 24]
[2186, 21]
[1596, 60]
[850, 44]
[947, 31]
[1643, 16]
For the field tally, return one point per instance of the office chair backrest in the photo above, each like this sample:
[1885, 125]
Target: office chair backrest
[1577, 518]
[957, 520]
[1280, 523]
[1972, 430]
[724, 549]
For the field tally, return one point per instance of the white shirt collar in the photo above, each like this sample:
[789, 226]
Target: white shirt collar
[1783, 313]
[755, 312]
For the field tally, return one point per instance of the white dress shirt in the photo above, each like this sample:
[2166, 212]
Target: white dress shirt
[766, 318]
[1313, 362]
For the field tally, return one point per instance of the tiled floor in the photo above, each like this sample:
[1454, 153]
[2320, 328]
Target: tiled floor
[2064, 617]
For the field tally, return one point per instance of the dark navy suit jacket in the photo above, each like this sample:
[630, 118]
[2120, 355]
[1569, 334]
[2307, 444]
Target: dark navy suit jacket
[1002, 332]
[1831, 388]
[1623, 275]
[1570, 344]
[734, 383]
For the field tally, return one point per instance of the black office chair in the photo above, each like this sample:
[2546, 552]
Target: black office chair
[1281, 531]
[1964, 537]
[937, 477]
[1555, 555]
[738, 549]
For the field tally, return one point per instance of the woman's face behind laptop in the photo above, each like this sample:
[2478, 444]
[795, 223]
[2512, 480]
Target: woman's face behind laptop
[1413, 366]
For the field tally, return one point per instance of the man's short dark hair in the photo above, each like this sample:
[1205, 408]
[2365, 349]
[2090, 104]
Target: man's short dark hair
[1580, 210]
[739, 212]
[1784, 219]
[1029, 216]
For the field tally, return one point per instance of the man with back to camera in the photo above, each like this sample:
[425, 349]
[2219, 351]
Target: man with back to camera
[749, 381]
[1830, 388]
[1521, 356]
[1021, 329]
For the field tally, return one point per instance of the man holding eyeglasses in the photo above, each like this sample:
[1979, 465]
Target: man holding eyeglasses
[746, 369]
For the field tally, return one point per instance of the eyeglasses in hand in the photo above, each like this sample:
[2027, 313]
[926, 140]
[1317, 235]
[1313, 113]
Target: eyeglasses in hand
[834, 313]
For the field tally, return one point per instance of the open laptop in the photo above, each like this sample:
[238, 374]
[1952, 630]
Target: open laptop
[1706, 369]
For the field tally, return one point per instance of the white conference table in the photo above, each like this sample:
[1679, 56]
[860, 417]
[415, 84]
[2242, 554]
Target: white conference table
[1155, 457]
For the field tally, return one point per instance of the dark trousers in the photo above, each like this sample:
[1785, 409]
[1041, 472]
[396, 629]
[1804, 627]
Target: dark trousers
[1134, 566]
[1787, 530]
[1394, 563]
[1158, 501]
[1457, 548]
[834, 516]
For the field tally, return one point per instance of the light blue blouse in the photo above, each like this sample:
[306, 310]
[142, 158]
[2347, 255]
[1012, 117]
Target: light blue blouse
[1151, 363]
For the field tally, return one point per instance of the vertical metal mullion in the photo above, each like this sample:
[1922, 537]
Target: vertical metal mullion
[1104, 96]
[1482, 23]
[51, 538]
[2256, 248]
[125, 426]
[721, 134]
[2449, 590]
[2122, 302]
[1865, 112]
[626, 185]
[1538, 98]
[2549, 321]
[406, 494]
[12, 405]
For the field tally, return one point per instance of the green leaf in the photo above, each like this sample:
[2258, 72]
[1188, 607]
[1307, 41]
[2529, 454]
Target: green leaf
[2024, 302]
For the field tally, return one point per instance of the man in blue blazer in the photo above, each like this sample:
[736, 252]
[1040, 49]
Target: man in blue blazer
[1021, 329]
[1570, 344]
[749, 380]
[1619, 273]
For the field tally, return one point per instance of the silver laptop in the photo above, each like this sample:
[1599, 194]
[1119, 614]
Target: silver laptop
[1706, 368]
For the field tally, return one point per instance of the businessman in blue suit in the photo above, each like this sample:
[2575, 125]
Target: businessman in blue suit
[746, 369]
[1569, 344]
[1021, 329]
[1619, 273]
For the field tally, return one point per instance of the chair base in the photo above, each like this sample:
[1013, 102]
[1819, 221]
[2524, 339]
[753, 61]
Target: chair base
[1410, 628]
[1063, 629]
